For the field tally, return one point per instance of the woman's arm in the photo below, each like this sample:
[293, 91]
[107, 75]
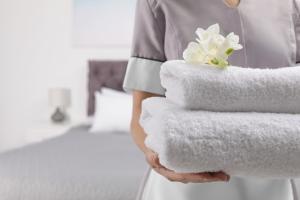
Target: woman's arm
[137, 131]
[152, 158]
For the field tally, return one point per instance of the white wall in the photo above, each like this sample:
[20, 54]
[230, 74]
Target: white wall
[36, 53]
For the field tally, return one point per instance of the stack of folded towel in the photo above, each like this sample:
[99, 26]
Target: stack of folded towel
[244, 122]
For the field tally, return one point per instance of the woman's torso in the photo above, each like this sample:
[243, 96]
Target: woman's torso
[266, 28]
[270, 33]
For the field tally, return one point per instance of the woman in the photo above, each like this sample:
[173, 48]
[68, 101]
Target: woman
[270, 33]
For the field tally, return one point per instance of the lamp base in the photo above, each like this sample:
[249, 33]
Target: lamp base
[58, 116]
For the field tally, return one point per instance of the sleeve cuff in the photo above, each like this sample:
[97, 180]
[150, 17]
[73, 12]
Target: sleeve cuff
[143, 75]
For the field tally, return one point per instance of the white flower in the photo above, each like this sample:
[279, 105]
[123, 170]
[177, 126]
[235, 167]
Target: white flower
[206, 34]
[233, 41]
[195, 53]
[211, 47]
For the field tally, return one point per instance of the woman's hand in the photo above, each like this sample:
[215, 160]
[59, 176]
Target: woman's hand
[139, 137]
[153, 160]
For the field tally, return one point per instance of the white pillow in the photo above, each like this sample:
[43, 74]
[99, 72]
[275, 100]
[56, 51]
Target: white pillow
[113, 112]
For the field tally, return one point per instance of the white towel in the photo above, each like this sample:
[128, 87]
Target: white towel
[241, 144]
[233, 89]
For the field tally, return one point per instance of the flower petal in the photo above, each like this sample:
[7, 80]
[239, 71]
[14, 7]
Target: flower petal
[215, 28]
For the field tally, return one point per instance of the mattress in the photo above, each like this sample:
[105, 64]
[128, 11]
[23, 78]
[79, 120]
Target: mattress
[76, 165]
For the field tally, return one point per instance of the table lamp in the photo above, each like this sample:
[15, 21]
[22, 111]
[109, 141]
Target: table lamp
[60, 100]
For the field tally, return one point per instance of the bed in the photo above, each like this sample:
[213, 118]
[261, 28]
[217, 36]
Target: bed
[77, 164]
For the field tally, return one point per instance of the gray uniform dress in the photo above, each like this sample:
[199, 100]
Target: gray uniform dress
[270, 33]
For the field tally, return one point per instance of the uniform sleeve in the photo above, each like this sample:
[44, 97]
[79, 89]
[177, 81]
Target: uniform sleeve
[147, 51]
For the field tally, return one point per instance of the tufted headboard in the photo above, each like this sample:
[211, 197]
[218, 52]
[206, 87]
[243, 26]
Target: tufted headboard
[108, 74]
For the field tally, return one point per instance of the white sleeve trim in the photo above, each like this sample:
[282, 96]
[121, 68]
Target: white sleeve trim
[143, 75]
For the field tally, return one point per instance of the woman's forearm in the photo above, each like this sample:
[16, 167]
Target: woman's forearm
[137, 131]
[138, 135]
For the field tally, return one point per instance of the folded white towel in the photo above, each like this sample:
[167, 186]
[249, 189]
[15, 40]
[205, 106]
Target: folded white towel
[233, 89]
[241, 144]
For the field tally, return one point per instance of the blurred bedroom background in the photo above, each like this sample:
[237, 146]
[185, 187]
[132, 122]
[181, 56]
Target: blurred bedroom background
[64, 117]
[46, 45]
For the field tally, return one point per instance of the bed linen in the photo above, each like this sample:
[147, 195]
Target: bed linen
[262, 145]
[76, 165]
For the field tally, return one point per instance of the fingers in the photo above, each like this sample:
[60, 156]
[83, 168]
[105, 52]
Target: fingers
[171, 176]
[221, 175]
[192, 177]
[153, 160]
[212, 177]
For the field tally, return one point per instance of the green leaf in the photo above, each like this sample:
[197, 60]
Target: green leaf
[215, 61]
[229, 51]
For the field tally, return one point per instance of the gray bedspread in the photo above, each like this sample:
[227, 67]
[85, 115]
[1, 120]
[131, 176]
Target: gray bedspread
[76, 165]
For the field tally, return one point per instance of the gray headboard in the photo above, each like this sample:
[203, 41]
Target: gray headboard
[102, 73]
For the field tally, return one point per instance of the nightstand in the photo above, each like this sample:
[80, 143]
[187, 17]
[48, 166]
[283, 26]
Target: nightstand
[46, 130]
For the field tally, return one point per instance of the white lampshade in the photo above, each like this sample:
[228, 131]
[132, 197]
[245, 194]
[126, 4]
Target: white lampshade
[59, 97]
